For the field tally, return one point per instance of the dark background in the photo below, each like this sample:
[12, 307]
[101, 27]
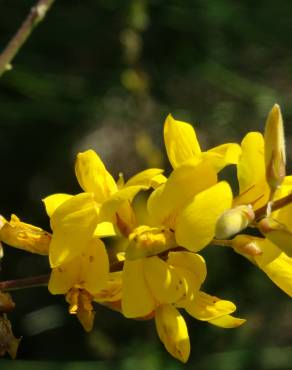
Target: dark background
[104, 74]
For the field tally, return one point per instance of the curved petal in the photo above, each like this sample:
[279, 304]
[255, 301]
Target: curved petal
[164, 283]
[94, 267]
[104, 229]
[205, 307]
[180, 141]
[227, 322]
[276, 264]
[137, 300]
[112, 204]
[251, 173]
[189, 261]
[226, 154]
[93, 176]
[144, 178]
[64, 277]
[184, 182]
[195, 226]
[173, 332]
[52, 202]
[73, 225]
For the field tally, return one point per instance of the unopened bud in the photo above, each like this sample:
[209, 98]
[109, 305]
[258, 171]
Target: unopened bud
[24, 236]
[275, 155]
[233, 221]
[246, 244]
[277, 233]
[146, 241]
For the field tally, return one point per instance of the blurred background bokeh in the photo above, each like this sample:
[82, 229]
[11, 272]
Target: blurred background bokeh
[104, 74]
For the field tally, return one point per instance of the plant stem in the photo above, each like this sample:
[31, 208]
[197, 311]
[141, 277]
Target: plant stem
[36, 15]
[277, 204]
[35, 281]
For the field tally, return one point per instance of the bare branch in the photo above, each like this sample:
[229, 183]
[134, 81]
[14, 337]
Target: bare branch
[36, 15]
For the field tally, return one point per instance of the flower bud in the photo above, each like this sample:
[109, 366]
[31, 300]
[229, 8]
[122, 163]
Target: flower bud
[275, 155]
[24, 236]
[277, 233]
[233, 221]
[247, 244]
[146, 241]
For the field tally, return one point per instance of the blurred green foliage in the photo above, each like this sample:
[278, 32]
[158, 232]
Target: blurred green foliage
[104, 74]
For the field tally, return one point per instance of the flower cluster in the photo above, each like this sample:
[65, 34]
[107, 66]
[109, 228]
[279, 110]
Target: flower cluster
[153, 269]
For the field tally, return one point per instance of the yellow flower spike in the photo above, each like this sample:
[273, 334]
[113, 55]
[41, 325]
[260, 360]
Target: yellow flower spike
[247, 244]
[93, 177]
[73, 224]
[233, 221]
[195, 226]
[275, 155]
[173, 332]
[205, 307]
[147, 241]
[180, 141]
[277, 233]
[183, 183]
[227, 322]
[24, 236]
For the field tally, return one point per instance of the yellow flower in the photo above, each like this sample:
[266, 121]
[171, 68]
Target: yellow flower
[75, 220]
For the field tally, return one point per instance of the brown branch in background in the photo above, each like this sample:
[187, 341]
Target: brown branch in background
[36, 15]
[277, 204]
[35, 281]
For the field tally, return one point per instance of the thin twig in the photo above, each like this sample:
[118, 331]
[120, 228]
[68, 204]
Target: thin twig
[35, 281]
[277, 204]
[36, 15]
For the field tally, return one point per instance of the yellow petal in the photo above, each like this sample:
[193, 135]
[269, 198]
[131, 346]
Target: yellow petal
[276, 264]
[227, 322]
[137, 300]
[113, 289]
[164, 283]
[180, 141]
[112, 204]
[185, 181]
[64, 277]
[73, 225]
[205, 307]
[173, 332]
[189, 261]
[94, 267]
[52, 202]
[144, 178]
[251, 172]
[104, 229]
[93, 176]
[226, 154]
[195, 226]
[24, 236]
